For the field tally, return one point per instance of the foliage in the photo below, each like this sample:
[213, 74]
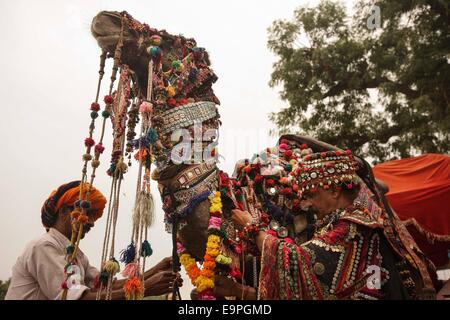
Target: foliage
[384, 93]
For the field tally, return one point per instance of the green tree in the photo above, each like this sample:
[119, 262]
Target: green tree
[383, 92]
[4, 285]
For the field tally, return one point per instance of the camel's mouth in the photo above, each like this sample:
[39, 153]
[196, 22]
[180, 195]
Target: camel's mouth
[106, 27]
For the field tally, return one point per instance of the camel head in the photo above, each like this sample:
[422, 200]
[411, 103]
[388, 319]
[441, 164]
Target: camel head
[110, 27]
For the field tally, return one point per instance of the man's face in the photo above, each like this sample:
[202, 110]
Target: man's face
[88, 225]
[321, 202]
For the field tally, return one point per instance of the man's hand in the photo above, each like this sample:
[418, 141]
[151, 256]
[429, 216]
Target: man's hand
[161, 283]
[164, 265]
[224, 287]
[240, 218]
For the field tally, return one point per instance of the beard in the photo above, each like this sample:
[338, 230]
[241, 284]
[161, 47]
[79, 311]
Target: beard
[86, 229]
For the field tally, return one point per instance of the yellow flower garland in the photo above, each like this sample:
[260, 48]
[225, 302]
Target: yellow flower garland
[203, 279]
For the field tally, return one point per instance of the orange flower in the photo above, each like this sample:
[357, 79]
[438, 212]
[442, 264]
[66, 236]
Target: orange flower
[190, 267]
[194, 273]
[207, 273]
[208, 258]
[209, 265]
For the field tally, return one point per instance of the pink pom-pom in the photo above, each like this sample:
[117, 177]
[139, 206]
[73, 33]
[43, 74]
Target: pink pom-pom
[146, 107]
[131, 270]
[283, 146]
[180, 247]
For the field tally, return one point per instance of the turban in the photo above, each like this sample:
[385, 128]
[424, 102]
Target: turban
[68, 194]
[327, 169]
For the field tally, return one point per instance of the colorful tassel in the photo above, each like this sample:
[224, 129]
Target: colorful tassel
[152, 136]
[131, 270]
[129, 254]
[144, 210]
[146, 249]
[112, 266]
[134, 289]
[103, 277]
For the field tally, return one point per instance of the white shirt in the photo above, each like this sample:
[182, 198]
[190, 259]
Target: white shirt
[39, 271]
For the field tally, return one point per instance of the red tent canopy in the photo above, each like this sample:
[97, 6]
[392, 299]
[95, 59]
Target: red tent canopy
[419, 192]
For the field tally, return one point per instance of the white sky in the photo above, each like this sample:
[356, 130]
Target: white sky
[49, 64]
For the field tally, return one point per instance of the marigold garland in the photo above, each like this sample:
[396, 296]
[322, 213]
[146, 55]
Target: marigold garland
[203, 279]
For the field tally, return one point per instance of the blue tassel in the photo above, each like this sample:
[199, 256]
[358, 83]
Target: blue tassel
[129, 254]
[146, 249]
[145, 142]
[152, 135]
[141, 142]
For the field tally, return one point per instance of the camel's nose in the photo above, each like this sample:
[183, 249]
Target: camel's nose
[106, 23]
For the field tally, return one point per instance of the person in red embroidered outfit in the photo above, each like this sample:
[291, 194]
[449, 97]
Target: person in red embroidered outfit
[355, 253]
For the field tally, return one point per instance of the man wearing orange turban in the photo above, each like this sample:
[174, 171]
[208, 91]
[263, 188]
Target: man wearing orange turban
[39, 271]
[64, 200]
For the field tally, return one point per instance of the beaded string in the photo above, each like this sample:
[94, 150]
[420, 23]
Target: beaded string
[146, 123]
[105, 241]
[86, 158]
[118, 176]
[116, 200]
[143, 207]
[138, 184]
[119, 171]
[111, 267]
